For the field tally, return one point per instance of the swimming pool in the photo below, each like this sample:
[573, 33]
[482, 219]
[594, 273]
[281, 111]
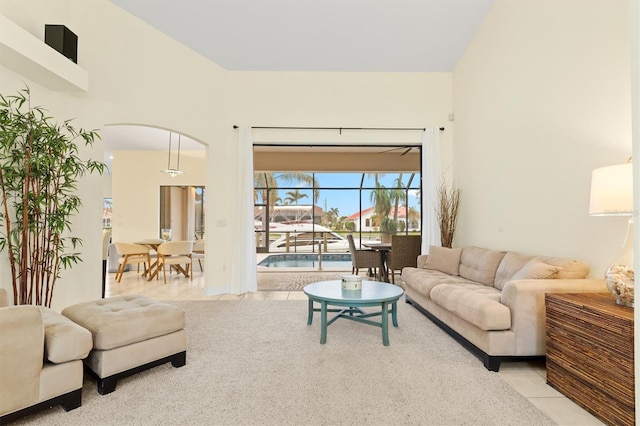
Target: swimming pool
[299, 260]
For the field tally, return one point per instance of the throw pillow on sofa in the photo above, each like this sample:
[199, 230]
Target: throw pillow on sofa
[535, 269]
[443, 259]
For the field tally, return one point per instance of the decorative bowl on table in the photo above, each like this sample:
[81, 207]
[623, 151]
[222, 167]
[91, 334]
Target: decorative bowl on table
[620, 283]
[351, 282]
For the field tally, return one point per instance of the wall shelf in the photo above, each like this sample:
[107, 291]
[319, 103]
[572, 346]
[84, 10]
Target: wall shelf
[29, 56]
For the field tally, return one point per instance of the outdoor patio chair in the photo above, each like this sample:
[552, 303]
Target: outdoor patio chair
[131, 253]
[404, 252]
[175, 254]
[370, 259]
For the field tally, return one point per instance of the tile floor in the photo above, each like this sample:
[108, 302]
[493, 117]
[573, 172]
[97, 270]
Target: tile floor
[529, 379]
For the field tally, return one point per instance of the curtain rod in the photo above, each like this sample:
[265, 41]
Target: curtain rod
[338, 128]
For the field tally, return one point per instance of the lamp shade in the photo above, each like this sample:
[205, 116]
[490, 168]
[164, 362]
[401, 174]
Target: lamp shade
[612, 191]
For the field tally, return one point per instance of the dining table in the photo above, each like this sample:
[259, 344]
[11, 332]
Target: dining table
[153, 244]
[384, 249]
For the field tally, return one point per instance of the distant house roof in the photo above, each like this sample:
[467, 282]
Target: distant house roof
[362, 213]
[402, 213]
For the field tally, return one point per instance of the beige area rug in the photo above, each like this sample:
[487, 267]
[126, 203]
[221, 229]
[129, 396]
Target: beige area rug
[259, 363]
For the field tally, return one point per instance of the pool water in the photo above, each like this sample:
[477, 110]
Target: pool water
[298, 260]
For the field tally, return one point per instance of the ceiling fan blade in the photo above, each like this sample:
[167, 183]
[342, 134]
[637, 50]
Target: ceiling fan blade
[390, 150]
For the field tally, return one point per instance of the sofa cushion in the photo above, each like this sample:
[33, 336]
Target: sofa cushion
[63, 339]
[511, 263]
[443, 259]
[480, 264]
[536, 269]
[477, 304]
[571, 268]
[424, 280]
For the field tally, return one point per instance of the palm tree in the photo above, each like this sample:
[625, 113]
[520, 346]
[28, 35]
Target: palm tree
[305, 178]
[294, 196]
[335, 213]
[376, 177]
[397, 194]
[331, 217]
[381, 201]
[266, 188]
[413, 217]
[264, 183]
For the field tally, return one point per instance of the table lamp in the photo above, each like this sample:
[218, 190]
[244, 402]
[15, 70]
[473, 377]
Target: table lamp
[612, 195]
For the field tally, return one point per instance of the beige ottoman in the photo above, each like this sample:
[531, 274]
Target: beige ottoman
[130, 334]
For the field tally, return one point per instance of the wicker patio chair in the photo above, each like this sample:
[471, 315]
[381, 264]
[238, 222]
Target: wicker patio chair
[404, 252]
[370, 259]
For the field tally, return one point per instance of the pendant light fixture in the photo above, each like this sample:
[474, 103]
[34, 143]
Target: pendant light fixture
[169, 170]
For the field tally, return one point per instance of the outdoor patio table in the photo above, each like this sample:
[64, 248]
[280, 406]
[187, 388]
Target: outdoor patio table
[384, 249]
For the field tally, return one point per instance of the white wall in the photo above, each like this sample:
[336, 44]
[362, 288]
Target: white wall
[136, 190]
[542, 97]
[136, 75]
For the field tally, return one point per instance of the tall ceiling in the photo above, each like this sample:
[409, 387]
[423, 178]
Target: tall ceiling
[307, 35]
[319, 35]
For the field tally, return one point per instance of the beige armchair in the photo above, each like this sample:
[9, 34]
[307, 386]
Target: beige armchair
[41, 353]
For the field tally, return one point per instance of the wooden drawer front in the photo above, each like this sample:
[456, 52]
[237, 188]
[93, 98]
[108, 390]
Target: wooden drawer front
[590, 354]
[593, 365]
[600, 404]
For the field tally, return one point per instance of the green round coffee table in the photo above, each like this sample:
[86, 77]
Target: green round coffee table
[373, 293]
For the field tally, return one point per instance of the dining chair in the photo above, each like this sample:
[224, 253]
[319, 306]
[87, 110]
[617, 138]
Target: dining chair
[370, 259]
[198, 252]
[405, 250]
[131, 253]
[175, 254]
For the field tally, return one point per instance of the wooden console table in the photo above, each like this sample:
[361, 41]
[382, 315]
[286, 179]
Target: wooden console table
[590, 353]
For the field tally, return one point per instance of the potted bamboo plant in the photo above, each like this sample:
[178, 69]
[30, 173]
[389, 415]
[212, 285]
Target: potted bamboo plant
[39, 171]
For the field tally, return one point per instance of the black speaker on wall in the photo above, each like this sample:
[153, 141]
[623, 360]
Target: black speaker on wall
[63, 40]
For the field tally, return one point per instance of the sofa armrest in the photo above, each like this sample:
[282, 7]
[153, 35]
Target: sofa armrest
[422, 259]
[64, 340]
[526, 301]
[21, 352]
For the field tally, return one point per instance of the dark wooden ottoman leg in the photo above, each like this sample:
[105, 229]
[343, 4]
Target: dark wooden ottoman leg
[179, 359]
[107, 385]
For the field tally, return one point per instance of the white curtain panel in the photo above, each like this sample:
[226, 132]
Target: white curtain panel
[431, 172]
[243, 268]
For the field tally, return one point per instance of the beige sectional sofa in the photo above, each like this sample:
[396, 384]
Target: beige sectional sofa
[41, 355]
[493, 301]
